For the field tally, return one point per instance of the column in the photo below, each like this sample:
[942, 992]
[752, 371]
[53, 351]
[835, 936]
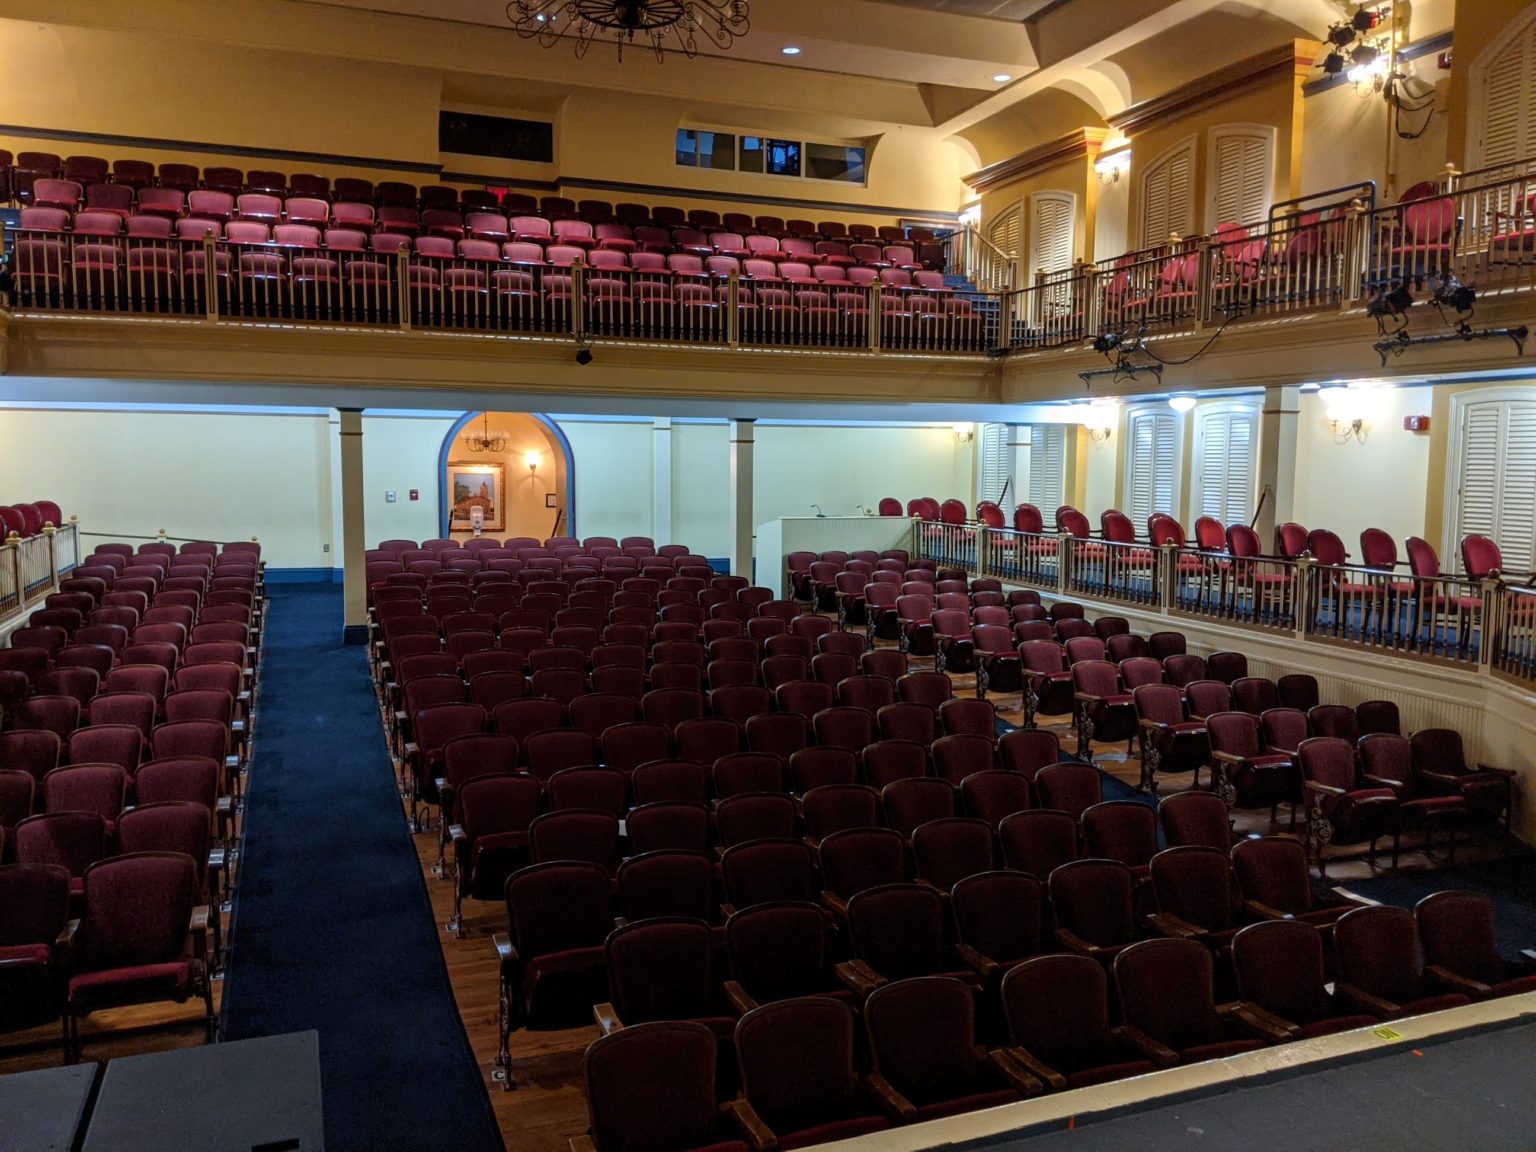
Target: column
[661, 481]
[741, 498]
[353, 534]
[1277, 459]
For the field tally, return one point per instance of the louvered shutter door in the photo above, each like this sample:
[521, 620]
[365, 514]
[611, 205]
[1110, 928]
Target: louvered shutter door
[996, 468]
[1052, 234]
[1166, 199]
[1151, 465]
[1004, 232]
[1241, 171]
[1498, 478]
[1047, 454]
[1227, 466]
[1508, 104]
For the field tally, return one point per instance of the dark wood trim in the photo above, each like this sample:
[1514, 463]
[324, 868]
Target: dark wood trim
[1288, 59]
[221, 149]
[1071, 145]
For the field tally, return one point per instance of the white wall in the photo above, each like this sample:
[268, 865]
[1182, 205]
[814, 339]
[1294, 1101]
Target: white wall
[701, 470]
[1379, 484]
[200, 475]
[615, 478]
[1099, 491]
[400, 453]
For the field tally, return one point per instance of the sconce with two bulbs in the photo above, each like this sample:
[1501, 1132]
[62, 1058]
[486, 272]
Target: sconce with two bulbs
[1112, 165]
[965, 433]
[1345, 414]
[1098, 419]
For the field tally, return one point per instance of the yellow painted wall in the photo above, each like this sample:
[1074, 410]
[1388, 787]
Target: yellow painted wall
[400, 453]
[1480, 24]
[218, 477]
[1075, 176]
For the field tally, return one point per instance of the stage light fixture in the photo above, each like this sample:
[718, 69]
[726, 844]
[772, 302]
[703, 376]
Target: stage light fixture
[1390, 302]
[1106, 342]
[584, 356]
[1452, 293]
[1333, 64]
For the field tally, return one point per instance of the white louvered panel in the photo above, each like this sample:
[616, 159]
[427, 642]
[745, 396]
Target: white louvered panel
[1516, 534]
[1165, 197]
[1052, 233]
[1165, 451]
[1227, 171]
[1047, 470]
[1213, 465]
[1150, 465]
[1004, 231]
[1480, 469]
[1508, 103]
[996, 467]
[1238, 495]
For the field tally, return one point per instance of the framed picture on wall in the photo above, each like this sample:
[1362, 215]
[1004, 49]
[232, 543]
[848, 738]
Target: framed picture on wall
[472, 486]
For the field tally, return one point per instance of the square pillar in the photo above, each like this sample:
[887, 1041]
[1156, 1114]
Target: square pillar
[353, 535]
[741, 497]
[1277, 458]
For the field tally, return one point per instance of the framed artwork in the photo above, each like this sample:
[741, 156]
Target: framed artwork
[472, 486]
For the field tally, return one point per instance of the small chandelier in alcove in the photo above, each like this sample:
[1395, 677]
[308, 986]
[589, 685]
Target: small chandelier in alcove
[662, 24]
[494, 443]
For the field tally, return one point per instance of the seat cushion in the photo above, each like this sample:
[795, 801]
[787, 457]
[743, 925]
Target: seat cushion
[26, 955]
[970, 1103]
[1511, 987]
[139, 982]
[1433, 807]
[836, 1130]
[1107, 1072]
[1432, 1004]
[1218, 1050]
[1336, 1024]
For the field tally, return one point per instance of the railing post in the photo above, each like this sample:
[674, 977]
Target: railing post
[983, 549]
[1093, 306]
[1305, 600]
[403, 287]
[1357, 248]
[49, 532]
[733, 308]
[876, 316]
[1494, 603]
[1169, 577]
[1063, 558]
[578, 299]
[211, 278]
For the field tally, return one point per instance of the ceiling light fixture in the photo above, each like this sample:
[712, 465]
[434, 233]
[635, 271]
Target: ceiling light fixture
[791, 50]
[494, 443]
[1001, 78]
[659, 23]
[1181, 403]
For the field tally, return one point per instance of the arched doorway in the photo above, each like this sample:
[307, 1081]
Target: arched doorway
[515, 499]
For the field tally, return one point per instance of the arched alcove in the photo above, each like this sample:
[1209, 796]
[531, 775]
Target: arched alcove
[537, 502]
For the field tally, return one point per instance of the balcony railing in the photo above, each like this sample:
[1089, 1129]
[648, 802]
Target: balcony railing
[1311, 259]
[1452, 620]
[31, 567]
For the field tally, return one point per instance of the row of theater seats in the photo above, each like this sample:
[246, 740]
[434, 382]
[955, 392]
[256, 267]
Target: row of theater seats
[29, 519]
[19, 177]
[126, 724]
[777, 1040]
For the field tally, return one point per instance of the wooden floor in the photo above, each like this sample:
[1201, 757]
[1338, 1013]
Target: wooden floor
[548, 1106]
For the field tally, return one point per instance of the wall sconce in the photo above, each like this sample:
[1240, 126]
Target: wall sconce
[1112, 166]
[965, 433]
[532, 460]
[1345, 415]
[1097, 419]
[1181, 404]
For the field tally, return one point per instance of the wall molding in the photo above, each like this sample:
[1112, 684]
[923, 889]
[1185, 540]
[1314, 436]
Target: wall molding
[1079, 142]
[1295, 58]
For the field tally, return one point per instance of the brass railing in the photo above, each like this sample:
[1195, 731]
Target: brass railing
[31, 567]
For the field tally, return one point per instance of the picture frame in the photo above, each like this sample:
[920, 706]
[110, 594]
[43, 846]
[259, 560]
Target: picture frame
[471, 485]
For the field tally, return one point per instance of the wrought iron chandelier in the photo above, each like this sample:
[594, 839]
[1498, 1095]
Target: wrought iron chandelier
[494, 443]
[663, 24]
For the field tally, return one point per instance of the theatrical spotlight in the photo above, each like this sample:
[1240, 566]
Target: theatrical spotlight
[1452, 293]
[1106, 342]
[1390, 302]
[584, 357]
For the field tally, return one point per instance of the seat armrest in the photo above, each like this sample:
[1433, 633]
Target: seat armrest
[727, 910]
[607, 1018]
[1505, 772]
[1445, 779]
[1265, 1025]
[1228, 758]
[1324, 789]
[923, 882]
[1179, 929]
[1159, 1054]
[737, 995]
[199, 919]
[1075, 943]
[758, 1134]
[896, 1106]
[1040, 1070]
[836, 903]
[1264, 911]
[1375, 1005]
[582, 1144]
[1383, 782]
[1529, 954]
[1151, 725]
[1015, 1073]
[1352, 899]
[1086, 698]
[456, 834]
[1455, 983]
[861, 983]
[410, 751]
[504, 950]
[66, 938]
[982, 965]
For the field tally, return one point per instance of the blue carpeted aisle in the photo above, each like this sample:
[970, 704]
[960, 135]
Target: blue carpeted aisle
[334, 930]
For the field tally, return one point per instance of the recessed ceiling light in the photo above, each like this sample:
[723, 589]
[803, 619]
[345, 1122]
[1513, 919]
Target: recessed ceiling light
[1001, 78]
[790, 51]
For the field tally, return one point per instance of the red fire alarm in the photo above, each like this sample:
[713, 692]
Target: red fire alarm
[415, 494]
[1410, 424]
